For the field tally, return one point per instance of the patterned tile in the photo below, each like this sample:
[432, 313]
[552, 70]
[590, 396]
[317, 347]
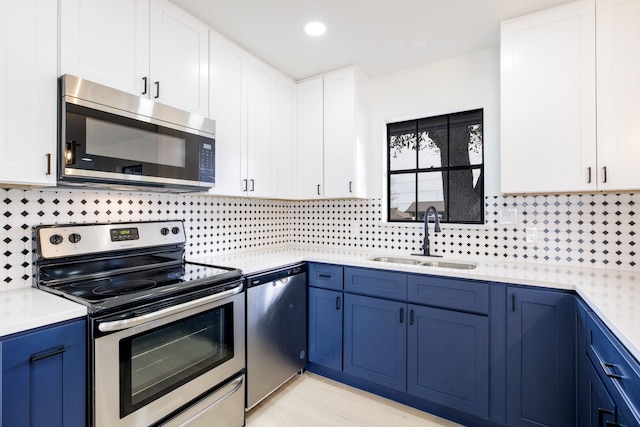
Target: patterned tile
[596, 230]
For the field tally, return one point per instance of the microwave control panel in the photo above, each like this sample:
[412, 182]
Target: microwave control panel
[207, 160]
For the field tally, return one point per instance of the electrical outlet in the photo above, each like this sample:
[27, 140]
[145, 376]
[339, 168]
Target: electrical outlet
[508, 216]
[531, 234]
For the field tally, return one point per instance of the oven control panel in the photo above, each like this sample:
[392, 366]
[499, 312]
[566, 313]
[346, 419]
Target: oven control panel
[120, 234]
[55, 241]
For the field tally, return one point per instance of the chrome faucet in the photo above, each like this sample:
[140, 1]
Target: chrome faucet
[436, 229]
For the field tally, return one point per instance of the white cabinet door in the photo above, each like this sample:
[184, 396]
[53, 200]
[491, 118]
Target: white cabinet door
[548, 120]
[106, 42]
[346, 132]
[179, 52]
[339, 134]
[28, 91]
[227, 105]
[260, 155]
[285, 137]
[310, 139]
[618, 42]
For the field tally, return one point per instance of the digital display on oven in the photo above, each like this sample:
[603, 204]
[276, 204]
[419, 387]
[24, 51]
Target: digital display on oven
[120, 234]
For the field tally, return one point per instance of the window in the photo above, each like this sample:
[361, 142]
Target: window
[436, 161]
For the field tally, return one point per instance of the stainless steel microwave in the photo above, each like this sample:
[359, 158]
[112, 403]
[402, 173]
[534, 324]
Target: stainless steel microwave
[113, 139]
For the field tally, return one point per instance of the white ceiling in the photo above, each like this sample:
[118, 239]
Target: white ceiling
[381, 36]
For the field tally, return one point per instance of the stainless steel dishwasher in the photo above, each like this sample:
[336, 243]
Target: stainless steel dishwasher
[276, 329]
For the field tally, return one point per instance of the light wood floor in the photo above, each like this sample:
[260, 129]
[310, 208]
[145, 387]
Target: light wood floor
[310, 400]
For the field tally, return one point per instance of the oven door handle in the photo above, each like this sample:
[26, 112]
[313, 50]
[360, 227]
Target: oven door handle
[119, 325]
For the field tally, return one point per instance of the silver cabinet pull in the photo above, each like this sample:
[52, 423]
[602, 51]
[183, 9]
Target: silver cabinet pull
[589, 175]
[350, 186]
[253, 184]
[245, 185]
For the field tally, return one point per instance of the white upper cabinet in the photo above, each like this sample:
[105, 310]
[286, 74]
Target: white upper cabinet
[106, 42]
[28, 89]
[333, 131]
[559, 67]
[346, 132]
[179, 52]
[548, 121]
[618, 82]
[254, 109]
[310, 139]
[227, 105]
[261, 103]
[151, 49]
[285, 137]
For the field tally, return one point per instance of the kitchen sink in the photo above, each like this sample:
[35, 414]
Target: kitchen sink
[426, 263]
[448, 264]
[396, 260]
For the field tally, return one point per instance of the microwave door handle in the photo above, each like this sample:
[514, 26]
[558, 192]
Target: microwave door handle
[119, 325]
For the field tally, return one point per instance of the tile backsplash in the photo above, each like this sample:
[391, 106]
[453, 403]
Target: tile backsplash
[595, 230]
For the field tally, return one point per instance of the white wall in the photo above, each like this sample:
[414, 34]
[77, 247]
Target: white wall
[457, 84]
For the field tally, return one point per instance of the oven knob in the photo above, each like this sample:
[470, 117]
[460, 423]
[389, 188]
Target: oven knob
[175, 230]
[74, 237]
[56, 239]
[164, 231]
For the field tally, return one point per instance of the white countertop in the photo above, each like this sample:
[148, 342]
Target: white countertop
[614, 295]
[28, 308]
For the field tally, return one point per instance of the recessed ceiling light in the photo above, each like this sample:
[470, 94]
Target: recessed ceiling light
[315, 28]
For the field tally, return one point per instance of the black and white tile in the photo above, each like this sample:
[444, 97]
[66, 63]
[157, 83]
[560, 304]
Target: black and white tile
[595, 230]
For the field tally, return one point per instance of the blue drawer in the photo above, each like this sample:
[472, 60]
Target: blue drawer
[376, 283]
[457, 294]
[325, 276]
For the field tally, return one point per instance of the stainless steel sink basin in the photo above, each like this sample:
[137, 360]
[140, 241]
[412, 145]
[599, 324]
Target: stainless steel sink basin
[426, 263]
[397, 260]
[447, 264]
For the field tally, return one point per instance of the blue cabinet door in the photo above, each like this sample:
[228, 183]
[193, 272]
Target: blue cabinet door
[540, 358]
[448, 358]
[325, 328]
[44, 377]
[375, 340]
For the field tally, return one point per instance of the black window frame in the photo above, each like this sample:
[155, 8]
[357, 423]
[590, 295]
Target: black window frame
[445, 169]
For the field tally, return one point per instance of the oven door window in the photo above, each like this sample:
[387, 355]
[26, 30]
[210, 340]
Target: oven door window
[160, 360]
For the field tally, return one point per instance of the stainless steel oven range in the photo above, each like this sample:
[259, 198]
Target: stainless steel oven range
[167, 337]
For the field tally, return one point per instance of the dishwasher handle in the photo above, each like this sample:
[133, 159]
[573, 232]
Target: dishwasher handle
[280, 276]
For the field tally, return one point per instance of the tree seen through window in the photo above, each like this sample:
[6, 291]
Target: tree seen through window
[436, 161]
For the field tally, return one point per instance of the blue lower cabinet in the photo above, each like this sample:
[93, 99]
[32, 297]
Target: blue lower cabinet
[617, 370]
[325, 328]
[448, 359]
[540, 358]
[375, 340]
[596, 408]
[44, 377]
